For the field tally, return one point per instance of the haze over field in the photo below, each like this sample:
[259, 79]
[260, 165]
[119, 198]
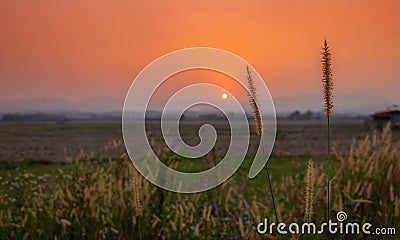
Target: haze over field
[344, 104]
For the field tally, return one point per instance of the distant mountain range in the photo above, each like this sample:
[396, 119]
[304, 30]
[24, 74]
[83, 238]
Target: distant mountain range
[344, 104]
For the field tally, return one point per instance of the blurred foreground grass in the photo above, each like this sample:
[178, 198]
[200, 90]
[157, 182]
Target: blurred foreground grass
[91, 197]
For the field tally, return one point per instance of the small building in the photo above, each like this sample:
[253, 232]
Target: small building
[381, 119]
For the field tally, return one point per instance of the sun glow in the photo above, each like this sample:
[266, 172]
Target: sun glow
[224, 96]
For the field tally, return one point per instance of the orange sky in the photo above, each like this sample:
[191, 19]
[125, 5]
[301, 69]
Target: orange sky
[86, 49]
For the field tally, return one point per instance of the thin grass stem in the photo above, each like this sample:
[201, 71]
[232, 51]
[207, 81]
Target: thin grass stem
[140, 228]
[272, 194]
[329, 168]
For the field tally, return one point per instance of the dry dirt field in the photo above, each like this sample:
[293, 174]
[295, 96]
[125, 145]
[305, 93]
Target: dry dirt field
[52, 142]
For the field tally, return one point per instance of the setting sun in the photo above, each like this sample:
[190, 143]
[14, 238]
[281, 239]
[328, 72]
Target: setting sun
[224, 96]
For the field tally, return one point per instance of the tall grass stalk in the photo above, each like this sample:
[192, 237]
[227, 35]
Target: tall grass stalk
[328, 106]
[309, 192]
[137, 201]
[259, 127]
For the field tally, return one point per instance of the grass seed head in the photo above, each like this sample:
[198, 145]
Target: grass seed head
[254, 101]
[327, 78]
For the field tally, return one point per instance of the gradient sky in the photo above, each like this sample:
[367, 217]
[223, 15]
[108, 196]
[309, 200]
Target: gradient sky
[78, 50]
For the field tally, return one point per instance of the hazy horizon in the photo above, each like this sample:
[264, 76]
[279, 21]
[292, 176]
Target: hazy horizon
[344, 104]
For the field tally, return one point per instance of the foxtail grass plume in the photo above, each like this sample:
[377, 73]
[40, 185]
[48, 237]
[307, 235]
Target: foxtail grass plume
[327, 78]
[258, 122]
[137, 200]
[309, 192]
[253, 101]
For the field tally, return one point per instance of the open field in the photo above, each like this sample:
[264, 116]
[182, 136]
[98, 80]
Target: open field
[52, 142]
[93, 194]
